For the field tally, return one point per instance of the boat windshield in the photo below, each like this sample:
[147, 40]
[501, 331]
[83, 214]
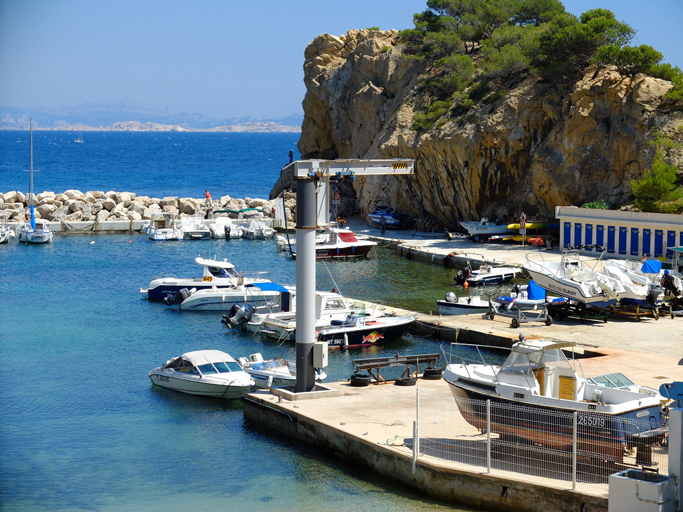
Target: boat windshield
[207, 369]
[612, 380]
[518, 362]
[222, 272]
[227, 367]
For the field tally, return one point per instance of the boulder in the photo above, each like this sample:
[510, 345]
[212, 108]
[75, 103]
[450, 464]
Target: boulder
[224, 201]
[154, 207]
[137, 206]
[10, 197]
[169, 201]
[133, 215]
[123, 197]
[109, 204]
[119, 208]
[89, 198]
[111, 194]
[97, 194]
[46, 210]
[171, 209]
[102, 215]
[256, 203]
[96, 208]
[74, 194]
[74, 205]
[74, 216]
[15, 215]
[21, 197]
[188, 207]
[60, 214]
[61, 198]
[145, 200]
[45, 195]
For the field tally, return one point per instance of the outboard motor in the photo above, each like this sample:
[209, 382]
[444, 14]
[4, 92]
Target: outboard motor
[653, 292]
[462, 276]
[450, 297]
[226, 228]
[238, 315]
[177, 298]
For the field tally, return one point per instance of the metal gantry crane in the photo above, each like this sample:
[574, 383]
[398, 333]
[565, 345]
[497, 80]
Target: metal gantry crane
[313, 209]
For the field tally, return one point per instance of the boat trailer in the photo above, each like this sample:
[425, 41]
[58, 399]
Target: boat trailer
[635, 312]
[577, 310]
[518, 314]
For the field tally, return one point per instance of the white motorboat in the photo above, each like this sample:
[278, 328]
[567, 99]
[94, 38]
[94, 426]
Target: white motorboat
[484, 227]
[6, 232]
[529, 296]
[453, 305]
[164, 227]
[221, 274]
[34, 231]
[487, 274]
[392, 218]
[204, 372]
[358, 331]
[539, 379]
[335, 243]
[225, 227]
[273, 372]
[257, 230]
[194, 228]
[225, 298]
[574, 279]
[638, 289]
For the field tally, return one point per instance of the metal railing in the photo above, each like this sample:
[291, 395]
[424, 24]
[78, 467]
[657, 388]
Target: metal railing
[582, 449]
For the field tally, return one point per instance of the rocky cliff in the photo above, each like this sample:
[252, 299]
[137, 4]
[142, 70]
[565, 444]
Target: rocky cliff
[540, 145]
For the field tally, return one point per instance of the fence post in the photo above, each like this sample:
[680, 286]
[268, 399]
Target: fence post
[574, 428]
[416, 431]
[488, 435]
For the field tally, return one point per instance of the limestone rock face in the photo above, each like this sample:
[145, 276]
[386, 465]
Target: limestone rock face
[540, 145]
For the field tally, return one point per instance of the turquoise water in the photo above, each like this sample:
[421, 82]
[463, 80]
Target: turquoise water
[82, 428]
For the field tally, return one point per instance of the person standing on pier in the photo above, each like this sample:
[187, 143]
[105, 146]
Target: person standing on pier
[382, 224]
[291, 156]
[207, 202]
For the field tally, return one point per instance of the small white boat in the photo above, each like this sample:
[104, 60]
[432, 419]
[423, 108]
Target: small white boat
[204, 372]
[79, 139]
[164, 227]
[545, 386]
[487, 274]
[529, 296]
[638, 289]
[273, 372]
[573, 279]
[34, 231]
[258, 230]
[358, 331]
[221, 274]
[225, 227]
[5, 231]
[194, 228]
[484, 227]
[453, 305]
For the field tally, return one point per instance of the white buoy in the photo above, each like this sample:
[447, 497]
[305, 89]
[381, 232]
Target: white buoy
[92, 243]
[346, 340]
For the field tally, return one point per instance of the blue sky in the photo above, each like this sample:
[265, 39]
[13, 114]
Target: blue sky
[219, 58]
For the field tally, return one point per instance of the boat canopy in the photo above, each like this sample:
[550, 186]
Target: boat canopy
[535, 292]
[653, 266]
[268, 287]
[225, 264]
[529, 346]
[199, 357]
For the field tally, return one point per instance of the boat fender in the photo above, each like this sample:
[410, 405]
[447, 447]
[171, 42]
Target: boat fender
[346, 340]
[269, 382]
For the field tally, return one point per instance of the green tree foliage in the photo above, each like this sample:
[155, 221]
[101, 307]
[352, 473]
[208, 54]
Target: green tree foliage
[536, 12]
[658, 191]
[569, 44]
[629, 60]
[596, 205]
[511, 49]
[424, 121]
[506, 61]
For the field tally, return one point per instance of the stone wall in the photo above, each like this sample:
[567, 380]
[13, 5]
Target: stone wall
[74, 205]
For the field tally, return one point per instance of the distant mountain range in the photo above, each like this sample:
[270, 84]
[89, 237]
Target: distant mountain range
[132, 115]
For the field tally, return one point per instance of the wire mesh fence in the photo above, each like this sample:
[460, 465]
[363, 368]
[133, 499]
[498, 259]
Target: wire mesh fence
[578, 448]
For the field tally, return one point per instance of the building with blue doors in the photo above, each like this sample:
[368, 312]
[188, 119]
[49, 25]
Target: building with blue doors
[623, 234]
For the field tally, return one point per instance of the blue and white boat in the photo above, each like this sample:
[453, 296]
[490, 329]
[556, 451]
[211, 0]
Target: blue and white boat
[224, 298]
[392, 218]
[215, 273]
[487, 274]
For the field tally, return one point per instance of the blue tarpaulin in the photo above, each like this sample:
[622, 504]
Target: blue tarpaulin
[651, 267]
[535, 292]
[269, 287]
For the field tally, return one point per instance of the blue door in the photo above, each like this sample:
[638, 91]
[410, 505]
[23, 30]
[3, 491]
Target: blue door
[600, 235]
[634, 242]
[659, 243]
[681, 244]
[623, 234]
[647, 242]
[577, 233]
[611, 233]
[670, 242]
[567, 234]
[589, 235]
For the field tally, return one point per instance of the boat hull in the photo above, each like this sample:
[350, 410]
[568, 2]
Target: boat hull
[225, 301]
[490, 279]
[201, 387]
[35, 237]
[458, 308]
[569, 290]
[375, 332]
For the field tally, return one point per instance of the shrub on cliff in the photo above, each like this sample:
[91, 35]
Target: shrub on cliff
[536, 12]
[658, 190]
[629, 60]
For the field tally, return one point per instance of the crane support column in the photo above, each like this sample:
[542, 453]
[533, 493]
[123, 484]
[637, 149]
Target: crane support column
[306, 223]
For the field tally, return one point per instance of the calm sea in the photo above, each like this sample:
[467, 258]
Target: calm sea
[81, 425]
[154, 164]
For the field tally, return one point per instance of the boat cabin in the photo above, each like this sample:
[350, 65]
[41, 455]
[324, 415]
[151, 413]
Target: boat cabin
[203, 362]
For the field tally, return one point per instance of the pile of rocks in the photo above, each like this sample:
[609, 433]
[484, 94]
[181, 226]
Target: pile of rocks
[96, 206]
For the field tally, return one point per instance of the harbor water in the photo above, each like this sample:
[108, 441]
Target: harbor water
[83, 428]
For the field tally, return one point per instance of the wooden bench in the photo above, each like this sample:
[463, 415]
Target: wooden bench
[375, 364]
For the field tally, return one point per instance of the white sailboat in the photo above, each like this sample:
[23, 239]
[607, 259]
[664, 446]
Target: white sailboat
[34, 231]
[79, 139]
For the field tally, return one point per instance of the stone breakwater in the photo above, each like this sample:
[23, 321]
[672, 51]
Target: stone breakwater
[98, 206]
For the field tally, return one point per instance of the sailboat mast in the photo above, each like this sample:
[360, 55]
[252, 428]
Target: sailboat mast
[30, 190]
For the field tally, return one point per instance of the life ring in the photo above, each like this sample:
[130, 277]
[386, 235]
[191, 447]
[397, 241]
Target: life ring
[336, 196]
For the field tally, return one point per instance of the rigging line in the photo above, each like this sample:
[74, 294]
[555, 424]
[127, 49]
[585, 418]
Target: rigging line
[332, 277]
